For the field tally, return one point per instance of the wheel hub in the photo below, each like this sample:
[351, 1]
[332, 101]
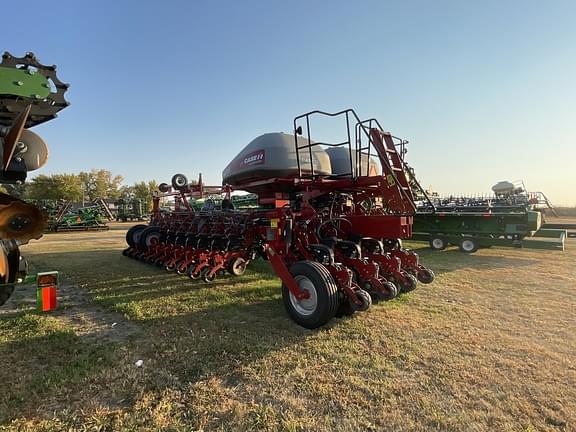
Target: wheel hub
[437, 243]
[305, 306]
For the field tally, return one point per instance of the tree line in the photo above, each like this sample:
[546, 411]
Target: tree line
[84, 186]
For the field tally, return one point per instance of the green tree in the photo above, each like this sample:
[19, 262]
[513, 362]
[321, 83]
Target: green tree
[144, 191]
[101, 184]
[126, 192]
[56, 186]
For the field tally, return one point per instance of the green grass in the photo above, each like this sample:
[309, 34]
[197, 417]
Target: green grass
[489, 346]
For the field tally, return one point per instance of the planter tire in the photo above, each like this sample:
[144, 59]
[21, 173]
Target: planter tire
[323, 302]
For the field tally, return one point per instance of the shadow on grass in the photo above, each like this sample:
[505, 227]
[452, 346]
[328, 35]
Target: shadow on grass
[189, 330]
[39, 359]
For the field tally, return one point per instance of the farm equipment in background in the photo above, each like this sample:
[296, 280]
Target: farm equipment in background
[30, 94]
[64, 218]
[131, 209]
[512, 217]
[330, 219]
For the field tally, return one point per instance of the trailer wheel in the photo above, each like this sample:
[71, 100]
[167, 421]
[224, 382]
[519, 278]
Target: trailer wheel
[468, 245]
[133, 234]
[237, 267]
[323, 302]
[438, 243]
[179, 181]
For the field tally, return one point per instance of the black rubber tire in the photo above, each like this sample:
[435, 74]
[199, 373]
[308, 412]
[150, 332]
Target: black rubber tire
[204, 275]
[468, 245]
[437, 242]
[181, 271]
[392, 244]
[6, 291]
[190, 272]
[426, 276]
[344, 309]
[179, 181]
[147, 235]
[326, 292]
[392, 291]
[366, 300]
[132, 242]
[408, 284]
[237, 266]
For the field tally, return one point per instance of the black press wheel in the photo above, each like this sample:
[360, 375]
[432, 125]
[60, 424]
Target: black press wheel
[437, 242]
[407, 282]
[207, 275]
[468, 245]
[426, 276]
[192, 273]
[237, 266]
[390, 291]
[133, 234]
[365, 301]
[181, 268]
[322, 302]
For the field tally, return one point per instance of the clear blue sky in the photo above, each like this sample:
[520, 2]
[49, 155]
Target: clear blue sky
[485, 90]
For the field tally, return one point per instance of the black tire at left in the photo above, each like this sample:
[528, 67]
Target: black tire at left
[131, 234]
[312, 275]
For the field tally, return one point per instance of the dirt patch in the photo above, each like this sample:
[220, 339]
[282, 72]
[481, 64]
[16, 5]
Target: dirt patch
[75, 310]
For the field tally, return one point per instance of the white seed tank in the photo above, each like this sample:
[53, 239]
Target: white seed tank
[507, 188]
[274, 155]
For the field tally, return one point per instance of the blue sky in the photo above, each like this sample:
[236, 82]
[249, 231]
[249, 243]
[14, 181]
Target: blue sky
[484, 91]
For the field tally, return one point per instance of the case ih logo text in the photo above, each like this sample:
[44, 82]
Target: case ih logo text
[254, 158]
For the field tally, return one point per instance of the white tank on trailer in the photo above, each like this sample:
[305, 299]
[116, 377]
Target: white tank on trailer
[274, 155]
[507, 188]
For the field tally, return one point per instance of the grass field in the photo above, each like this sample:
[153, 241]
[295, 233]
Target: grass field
[490, 345]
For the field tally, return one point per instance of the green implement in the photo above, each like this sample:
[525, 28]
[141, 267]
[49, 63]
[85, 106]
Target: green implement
[471, 230]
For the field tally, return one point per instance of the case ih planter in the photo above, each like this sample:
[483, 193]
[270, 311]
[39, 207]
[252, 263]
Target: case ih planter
[330, 220]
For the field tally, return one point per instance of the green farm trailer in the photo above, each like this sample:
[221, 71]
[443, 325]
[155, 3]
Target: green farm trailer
[474, 228]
